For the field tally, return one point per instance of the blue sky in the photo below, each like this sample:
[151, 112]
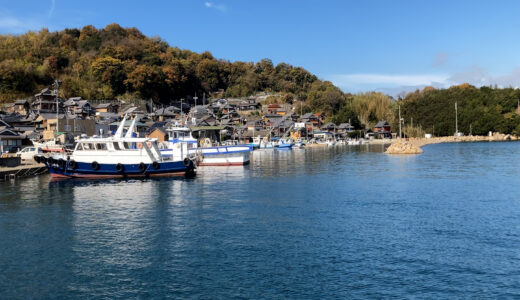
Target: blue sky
[359, 45]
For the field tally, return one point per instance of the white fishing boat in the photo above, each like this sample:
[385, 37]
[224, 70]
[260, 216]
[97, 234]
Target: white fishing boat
[118, 157]
[209, 155]
[48, 146]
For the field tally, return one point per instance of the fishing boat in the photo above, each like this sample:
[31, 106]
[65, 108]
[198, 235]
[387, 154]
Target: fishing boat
[118, 157]
[299, 144]
[284, 144]
[209, 155]
[48, 146]
[264, 145]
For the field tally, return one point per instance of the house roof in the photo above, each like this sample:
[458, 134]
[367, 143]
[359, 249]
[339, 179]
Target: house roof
[21, 102]
[345, 126]
[104, 105]
[381, 124]
[329, 126]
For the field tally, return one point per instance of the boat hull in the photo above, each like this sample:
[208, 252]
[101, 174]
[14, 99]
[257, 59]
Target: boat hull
[85, 170]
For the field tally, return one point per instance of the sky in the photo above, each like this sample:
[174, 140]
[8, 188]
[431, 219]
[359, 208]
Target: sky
[388, 46]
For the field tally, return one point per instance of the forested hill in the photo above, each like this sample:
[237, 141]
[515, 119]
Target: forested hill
[116, 62]
[480, 110]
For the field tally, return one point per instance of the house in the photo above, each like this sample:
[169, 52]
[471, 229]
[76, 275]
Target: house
[69, 126]
[158, 133]
[46, 102]
[77, 106]
[11, 139]
[273, 108]
[249, 104]
[312, 119]
[109, 107]
[345, 127]
[207, 120]
[255, 125]
[383, 130]
[330, 127]
[21, 107]
[382, 126]
[228, 108]
[271, 119]
[166, 113]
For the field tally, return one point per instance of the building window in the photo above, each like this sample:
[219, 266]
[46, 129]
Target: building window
[67, 127]
[77, 128]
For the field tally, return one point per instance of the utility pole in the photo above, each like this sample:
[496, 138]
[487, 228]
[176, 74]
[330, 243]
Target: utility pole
[182, 111]
[456, 121]
[56, 85]
[204, 98]
[195, 98]
[399, 121]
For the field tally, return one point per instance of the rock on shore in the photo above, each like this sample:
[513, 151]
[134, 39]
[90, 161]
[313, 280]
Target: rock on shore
[403, 147]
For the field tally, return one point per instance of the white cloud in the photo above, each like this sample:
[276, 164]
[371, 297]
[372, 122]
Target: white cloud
[14, 25]
[51, 10]
[395, 84]
[385, 79]
[219, 7]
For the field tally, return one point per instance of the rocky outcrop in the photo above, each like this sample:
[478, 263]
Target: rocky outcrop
[403, 147]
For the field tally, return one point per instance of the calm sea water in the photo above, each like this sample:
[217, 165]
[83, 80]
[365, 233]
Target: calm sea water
[313, 223]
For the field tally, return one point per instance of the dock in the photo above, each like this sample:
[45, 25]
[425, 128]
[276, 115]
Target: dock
[21, 171]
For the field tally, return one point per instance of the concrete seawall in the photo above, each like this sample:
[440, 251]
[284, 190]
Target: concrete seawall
[11, 173]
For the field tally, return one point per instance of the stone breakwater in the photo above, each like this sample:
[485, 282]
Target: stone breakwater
[413, 145]
[403, 147]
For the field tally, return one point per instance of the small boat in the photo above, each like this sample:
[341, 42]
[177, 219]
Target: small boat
[231, 154]
[299, 144]
[284, 144]
[118, 157]
[266, 145]
[48, 146]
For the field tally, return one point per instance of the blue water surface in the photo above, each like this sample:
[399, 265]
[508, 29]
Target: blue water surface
[342, 222]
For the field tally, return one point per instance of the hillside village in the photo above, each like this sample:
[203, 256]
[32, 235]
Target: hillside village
[45, 116]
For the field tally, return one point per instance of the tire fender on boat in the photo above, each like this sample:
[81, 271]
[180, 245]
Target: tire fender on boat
[95, 165]
[37, 158]
[142, 167]
[186, 161]
[73, 165]
[120, 168]
[156, 165]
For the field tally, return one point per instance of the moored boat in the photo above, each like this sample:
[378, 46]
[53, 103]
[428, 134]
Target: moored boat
[118, 157]
[221, 155]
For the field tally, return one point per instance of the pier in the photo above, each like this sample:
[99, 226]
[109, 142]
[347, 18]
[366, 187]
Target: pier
[21, 171]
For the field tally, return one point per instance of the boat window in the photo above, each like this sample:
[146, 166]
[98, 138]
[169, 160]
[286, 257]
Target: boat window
[101, 146]
[86, 146]
[116, 146]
